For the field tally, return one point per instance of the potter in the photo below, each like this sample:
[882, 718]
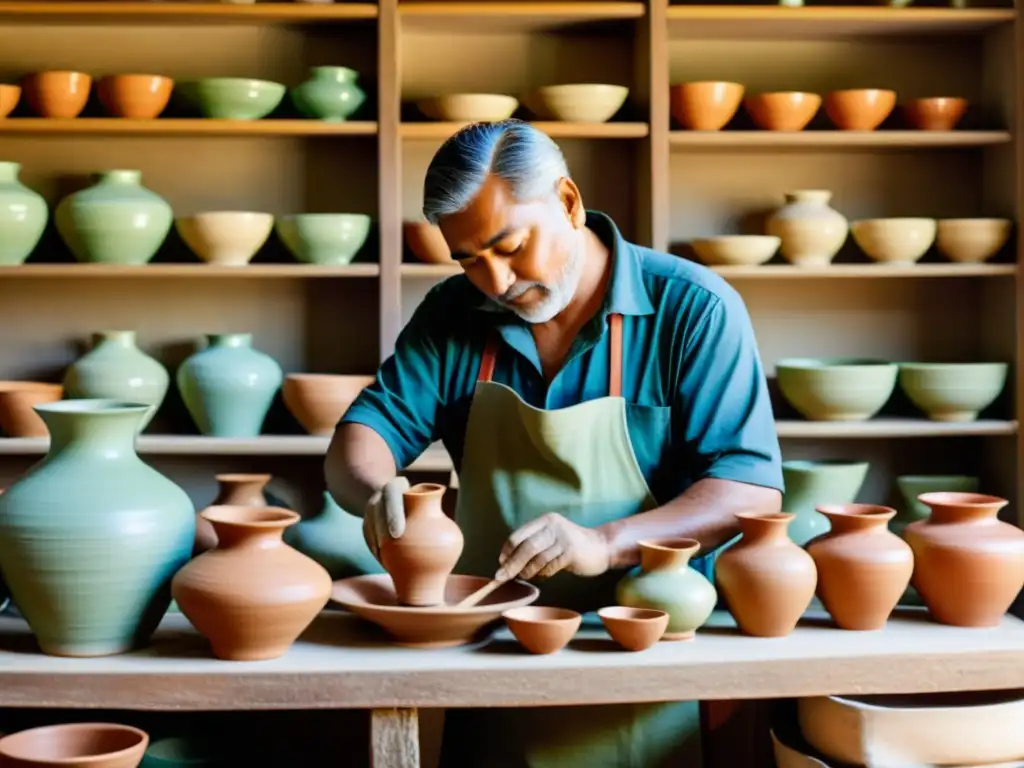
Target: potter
[592, 394]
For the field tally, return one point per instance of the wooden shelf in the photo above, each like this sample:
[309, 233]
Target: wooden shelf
[732, 140]
[197, 13]
[556, 130]
[172, 126]
[194, 445]
[188, 270]
[737, 22]
[508, 16]
[892, 428]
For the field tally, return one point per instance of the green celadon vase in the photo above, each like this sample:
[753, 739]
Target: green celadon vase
[91, 535]
[811, 484]
[228, 387]
[334, 538]
[115, 221]
[329, 94]
[23, 217]
[115, 368]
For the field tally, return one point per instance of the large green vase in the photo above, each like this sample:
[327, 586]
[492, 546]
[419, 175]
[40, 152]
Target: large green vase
[23, 216]
[115, 221]
[115, 368]
[334, 538]
[811, 484]
[228, 387]
[91, 535]
[330, 94]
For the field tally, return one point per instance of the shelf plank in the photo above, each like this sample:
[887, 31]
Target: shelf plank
[188, 270]
[738, 22]
[339, 662]
[507, 16]
[193, 445]
[556, 130]
[682, 140]
[892, 428]
[173, 126]
[163, 13]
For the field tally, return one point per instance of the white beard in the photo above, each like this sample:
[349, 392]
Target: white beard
[556, 295]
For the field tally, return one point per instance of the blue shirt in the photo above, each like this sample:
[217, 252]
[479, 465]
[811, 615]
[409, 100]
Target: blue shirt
[698, 404]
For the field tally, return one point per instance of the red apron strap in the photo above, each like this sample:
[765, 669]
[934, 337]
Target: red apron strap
[487, 361]
[615, 355]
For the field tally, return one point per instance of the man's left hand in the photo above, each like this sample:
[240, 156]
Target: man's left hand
[550, 544]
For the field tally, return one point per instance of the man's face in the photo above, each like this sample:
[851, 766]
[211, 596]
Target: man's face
[525, 256]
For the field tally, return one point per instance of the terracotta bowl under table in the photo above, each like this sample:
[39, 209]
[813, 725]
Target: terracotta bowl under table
[373, 598]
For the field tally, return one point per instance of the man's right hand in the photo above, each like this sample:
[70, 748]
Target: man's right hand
[384, 517]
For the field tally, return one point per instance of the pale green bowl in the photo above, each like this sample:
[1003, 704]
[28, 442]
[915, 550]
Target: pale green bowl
[953, 391]
[233, 98]
[836, 389]
[324, 238]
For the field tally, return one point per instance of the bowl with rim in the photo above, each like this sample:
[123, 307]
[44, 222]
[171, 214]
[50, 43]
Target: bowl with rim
[324, 238]
[106, 745]
[136, 97]
[233, 98]
[836, 389]
[939, 113]
[782, 110]
[972, 241]
[859, 109]
[542, 630]
[953, 391]
[469, 107]
[225, 238]
[10, 95]
[578, 102]
[635, 629]
[319, 400]
[736, 250]
[896, 241]
[705, 105]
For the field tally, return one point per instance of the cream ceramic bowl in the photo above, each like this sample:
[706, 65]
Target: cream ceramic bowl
[953, 391]
[736, 250]
[836, 389]
[894, 241]
[469, 107]
[225, 238]
[972, 240]
[579, 103]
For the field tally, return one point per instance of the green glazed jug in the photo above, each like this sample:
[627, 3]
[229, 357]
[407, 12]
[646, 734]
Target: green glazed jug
[23, 216]
[334, 538]
[329, 94]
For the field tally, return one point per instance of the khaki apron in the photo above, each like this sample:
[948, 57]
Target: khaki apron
[521, 462]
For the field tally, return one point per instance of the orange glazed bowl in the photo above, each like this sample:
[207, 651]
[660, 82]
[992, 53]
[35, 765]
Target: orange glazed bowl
[782, 111]
[862, 109]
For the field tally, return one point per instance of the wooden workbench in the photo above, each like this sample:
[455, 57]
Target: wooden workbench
[341, 663]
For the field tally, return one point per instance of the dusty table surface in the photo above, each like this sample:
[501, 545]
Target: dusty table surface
[341, 662]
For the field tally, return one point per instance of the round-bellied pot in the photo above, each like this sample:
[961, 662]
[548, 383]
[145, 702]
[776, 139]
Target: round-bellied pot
[236, 490]
[811, 232]
[334, 538]
[665, 581]
[969, 565]
[253, 595]
[912, 486]
[91, 535]
[329, 94]
[953, 391]
[812, 483]
[23, 217]
[115, 368]
[228, 387]
[836, 389]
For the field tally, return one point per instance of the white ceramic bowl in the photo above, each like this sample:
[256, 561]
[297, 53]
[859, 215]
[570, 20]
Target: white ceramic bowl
[736, 250]
[225, 238]
[469, 107]
[579, 103]
[972, 240]
[894, 241]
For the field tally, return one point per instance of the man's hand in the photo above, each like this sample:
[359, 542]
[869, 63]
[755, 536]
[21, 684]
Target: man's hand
[550, 544]
[385, 515]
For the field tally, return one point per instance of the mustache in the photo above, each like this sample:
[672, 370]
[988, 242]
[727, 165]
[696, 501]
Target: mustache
[518, 288]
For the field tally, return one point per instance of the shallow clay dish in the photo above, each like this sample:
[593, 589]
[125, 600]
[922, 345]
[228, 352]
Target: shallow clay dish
[934, 114]
[10, 95]
[373, 598]
[635, 629]
[736, 250]
[542, 630]
[137, 97]
[972, 240]
[704, 106]
[97, 745]
[782, 111]
[469, 107]
[862, 109]
[897, 242]
[319, 400]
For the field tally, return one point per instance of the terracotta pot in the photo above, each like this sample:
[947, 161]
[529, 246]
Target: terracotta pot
[767, 580]
[421, 560]
[969, 565]
[236, 490]
[783, 111]
[96, 745]
[542, 630]
[705, 106]
[319, 400]
[811, 231]
[253, 595]
[17, 401]
[137, 97]
[426, 242]
[635, 629]
[860, 109]
[10, 95]
[863, 569]
[57, 94]
[934, 114]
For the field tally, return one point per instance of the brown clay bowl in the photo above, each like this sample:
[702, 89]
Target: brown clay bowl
[97, 745]
[542, 630]
[319, 400]
[373, 598]
[782, 111]
[705, 106]
[10, 95]
[136, 97]
[935, 114]
[635, 629]
[17, 400]
[426, 242]
[860, 109]
[57, 94]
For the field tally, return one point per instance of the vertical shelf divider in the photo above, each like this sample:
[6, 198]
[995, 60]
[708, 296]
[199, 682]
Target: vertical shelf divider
[658, 118]
[389, 173]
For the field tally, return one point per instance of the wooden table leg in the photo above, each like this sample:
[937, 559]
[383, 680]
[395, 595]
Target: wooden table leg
[394, 738]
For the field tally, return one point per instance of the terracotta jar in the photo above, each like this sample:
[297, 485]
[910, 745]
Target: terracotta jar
[811, 231]
[863, 569]
[968, 564]
[767, 580]
[422, 559]
[253, 595]
[236, 490]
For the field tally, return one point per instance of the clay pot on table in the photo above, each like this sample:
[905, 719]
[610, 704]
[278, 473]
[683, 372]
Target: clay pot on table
[863, 569]
[97, 745]
[235, 490]
[319, 400]
[969, 565]
[767, 580]
[57, 94]
[253, 595]
[635, 629]
[422, 559]
[17, 402]
[136, 97]
[811, 231]
[542, 630]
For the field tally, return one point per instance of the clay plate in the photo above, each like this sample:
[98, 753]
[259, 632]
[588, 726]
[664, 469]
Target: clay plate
[373, 598]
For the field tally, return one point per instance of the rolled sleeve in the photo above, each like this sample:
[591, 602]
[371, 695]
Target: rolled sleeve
[725, 413]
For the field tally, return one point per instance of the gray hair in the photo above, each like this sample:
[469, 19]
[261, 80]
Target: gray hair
[524, 157]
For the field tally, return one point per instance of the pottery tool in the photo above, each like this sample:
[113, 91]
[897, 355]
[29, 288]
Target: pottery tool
[480, 594]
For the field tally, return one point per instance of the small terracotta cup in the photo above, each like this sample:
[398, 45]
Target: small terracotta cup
[861, 109]
[104, 745]
[17, 400]
[57, 94]
[705, 106]
[542, 630]
[426, 242]
[10, 95]
[136, 97]
[941, 113]
[635, 629]
[782, 111]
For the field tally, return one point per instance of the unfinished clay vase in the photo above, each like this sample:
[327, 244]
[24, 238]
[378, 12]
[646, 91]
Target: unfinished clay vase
[766, 579]
[235, 490]
[421, 560]
[253, 595]
[863, 569]
[968, 565]
[811, 231]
